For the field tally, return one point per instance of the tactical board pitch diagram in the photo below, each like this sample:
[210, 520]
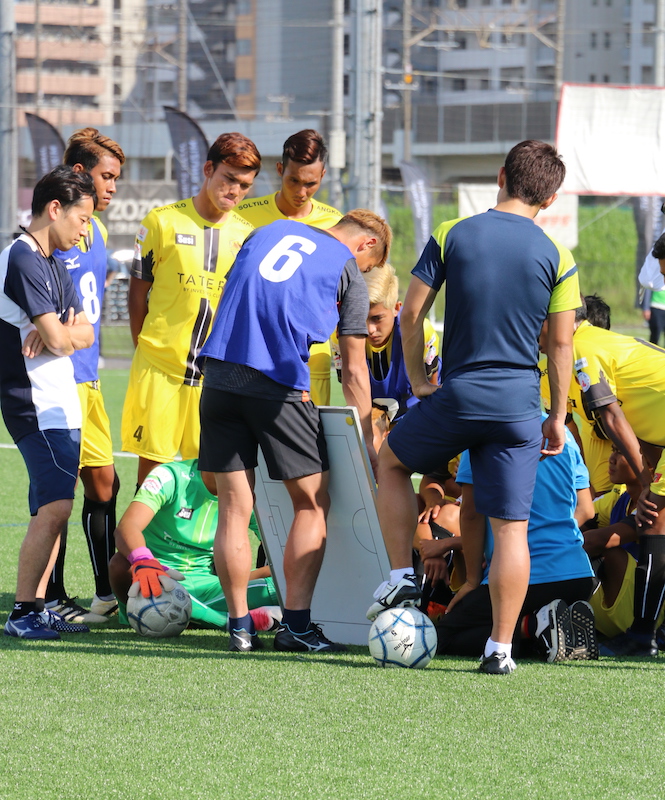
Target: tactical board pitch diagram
[356, 558]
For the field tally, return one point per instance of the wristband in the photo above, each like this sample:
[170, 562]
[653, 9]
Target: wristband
[139, 554]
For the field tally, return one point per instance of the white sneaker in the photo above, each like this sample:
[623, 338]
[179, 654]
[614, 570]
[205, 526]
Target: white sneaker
[105, 608]
[399, 595]
[71, 611]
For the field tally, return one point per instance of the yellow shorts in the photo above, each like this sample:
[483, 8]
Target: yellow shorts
[658, 485]
[319, 373]
[96, 444]
[596, 457]
[160, 416]
[618, 617]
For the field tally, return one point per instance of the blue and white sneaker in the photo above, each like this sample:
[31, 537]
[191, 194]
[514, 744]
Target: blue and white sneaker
[58, 623]
[31, 626]
[399, 595]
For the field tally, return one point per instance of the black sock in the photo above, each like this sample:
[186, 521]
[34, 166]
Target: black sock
[39, 604]
[99, 526]
[297, 621]
[649, 583]
[22, 609]
[242, 623]
[55, 589]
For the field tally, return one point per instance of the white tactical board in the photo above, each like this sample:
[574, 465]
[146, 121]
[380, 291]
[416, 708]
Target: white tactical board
[356, 561]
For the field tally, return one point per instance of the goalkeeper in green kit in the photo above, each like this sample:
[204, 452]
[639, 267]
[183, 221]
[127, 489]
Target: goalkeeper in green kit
[168, 532]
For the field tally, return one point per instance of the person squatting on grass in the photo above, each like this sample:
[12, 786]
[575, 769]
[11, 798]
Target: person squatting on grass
[172, 522]
[42, 323]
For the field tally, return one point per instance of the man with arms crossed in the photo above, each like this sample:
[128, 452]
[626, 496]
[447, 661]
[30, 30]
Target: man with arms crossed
[290, 286]
[183, 252]
[503, 277]
[301, 171]
[42, 323]
[90, 151]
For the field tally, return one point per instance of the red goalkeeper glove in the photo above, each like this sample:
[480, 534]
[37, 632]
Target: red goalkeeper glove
[147, 573]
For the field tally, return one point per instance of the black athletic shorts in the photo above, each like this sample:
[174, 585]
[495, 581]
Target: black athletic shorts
[233, 426]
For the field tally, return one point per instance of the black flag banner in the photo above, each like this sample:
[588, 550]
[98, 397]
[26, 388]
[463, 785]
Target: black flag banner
[190, 149]
[416, 186]
[47, 144]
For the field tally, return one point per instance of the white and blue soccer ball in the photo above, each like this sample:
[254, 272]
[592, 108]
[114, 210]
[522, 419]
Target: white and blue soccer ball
[166, 615]
[402, 637]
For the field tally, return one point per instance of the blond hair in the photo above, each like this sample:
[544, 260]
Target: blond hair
[382, 286]
[369, 222]
[88, 146]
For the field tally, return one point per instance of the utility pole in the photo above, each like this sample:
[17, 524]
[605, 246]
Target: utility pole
[38, 56]
[365, 183]
[408, 76]
[559, 51]
[659, 45]
[8, 146]
[337, 137]
[182, 55]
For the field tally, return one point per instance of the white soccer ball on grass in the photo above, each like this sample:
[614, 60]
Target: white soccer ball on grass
[402, 637]
[166, 615]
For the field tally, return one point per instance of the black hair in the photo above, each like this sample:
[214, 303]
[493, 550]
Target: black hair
[658, 250]
[597, 311]
[580, 313]
[65, 186]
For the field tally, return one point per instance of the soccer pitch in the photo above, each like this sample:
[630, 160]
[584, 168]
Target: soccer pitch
[109, 715]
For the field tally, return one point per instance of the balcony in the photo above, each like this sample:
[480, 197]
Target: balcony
[61, 83]
[62, 51]
[65, 14]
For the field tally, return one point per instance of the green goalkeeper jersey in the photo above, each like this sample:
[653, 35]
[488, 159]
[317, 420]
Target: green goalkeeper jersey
[182, 532]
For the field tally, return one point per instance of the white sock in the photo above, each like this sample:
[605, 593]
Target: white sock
[498, 647]
[396, 575]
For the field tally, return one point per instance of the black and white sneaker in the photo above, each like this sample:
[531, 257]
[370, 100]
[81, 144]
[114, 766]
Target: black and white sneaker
[311, 641]
[554, 633]
[73, 612]
[242, 641]
[582, 620]
[399, 595]
[56, 622]
[497, 664]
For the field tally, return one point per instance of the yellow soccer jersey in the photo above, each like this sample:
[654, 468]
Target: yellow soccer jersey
[263, 210]
[378, 358]
[187, 259]
[610, 367]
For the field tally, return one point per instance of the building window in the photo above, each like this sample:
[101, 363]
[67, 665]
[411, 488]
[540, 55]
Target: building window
[606, 78]
[592, 78]
[117, 90]
[117, 61]
[608, 40]
[593, 40]
[459, 84]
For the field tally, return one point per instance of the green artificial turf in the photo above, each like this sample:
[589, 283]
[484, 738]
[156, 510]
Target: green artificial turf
[110, 715]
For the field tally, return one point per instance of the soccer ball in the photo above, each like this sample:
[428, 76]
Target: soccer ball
[402, 637]
[166, 615]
